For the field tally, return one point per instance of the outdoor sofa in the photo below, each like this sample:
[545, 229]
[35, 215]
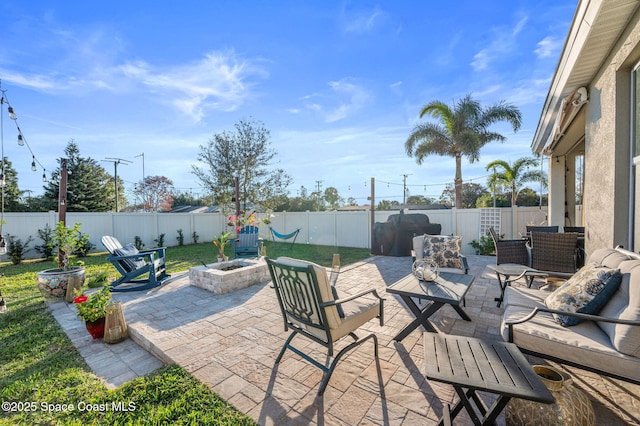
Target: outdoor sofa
[606, 342]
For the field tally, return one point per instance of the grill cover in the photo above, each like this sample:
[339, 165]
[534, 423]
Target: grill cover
[395, 236]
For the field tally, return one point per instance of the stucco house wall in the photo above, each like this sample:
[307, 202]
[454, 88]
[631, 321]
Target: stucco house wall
[608, 145]
[600, 53]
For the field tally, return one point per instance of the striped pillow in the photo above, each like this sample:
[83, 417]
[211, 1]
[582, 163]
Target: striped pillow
[132, 263]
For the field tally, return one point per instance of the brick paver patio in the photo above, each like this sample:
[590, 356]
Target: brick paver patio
[230, 343]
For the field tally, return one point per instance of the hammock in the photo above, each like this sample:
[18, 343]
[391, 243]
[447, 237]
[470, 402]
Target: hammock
[275, 234]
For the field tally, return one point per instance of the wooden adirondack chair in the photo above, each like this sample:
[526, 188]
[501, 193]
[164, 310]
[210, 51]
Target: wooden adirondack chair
[132, 264]
[248, 242]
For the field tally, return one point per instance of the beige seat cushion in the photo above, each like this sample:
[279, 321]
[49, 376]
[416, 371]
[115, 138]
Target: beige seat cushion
[625, 304]
[323, 283]
[357, 312]
[584, 344]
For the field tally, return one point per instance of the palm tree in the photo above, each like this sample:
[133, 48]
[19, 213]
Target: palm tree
[515, 175]
[462, 130]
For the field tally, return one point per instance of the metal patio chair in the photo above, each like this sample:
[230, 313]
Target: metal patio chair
[309, 307]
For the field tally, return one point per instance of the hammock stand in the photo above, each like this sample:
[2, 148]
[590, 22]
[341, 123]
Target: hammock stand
[275, 234]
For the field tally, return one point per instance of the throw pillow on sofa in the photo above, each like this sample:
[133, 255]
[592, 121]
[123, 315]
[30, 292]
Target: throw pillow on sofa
[587, 291]
[443, 249]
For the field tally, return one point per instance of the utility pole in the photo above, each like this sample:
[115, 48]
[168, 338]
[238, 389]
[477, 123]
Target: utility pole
[115, 162]
[404, 190]
[144, 198]
[372, 198]
[318, 188]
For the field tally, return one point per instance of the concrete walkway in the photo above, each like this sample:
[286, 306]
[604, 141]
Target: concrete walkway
[230, 343]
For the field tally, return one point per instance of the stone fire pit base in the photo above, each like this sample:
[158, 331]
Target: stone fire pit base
[214, 278]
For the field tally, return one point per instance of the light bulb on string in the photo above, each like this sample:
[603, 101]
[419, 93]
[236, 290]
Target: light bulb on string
[12, 115]
[33, 164]
[44, 176]
[20, 139]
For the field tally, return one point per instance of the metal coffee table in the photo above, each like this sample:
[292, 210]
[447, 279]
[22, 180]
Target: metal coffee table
[447, 289]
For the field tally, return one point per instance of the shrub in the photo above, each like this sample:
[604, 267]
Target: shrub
[16, 248]
[180, 237]
[195, 237]
[83, 245]
[48, 245]
[484, 247]
[159, 241]
[137, 241]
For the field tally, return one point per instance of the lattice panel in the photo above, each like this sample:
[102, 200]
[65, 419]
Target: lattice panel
[490, 217]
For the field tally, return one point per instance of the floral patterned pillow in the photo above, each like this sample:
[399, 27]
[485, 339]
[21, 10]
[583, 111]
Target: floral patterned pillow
[587, 291]
[443, 249]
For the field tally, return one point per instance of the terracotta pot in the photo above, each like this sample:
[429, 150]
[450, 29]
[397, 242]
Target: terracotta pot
[53, 283]
[96, 328]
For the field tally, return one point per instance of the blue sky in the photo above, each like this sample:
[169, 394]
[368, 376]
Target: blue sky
[339, 84]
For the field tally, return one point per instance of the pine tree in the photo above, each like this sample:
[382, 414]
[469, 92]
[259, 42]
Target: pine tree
[89, 187]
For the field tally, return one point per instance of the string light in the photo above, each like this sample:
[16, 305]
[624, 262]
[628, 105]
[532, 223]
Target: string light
[22, 141]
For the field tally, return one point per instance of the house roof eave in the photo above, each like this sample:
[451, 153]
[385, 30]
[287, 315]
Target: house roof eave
[596, 27]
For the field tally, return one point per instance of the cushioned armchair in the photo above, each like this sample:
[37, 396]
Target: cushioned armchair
[311, 308]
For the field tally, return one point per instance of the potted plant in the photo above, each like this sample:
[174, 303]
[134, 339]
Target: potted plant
[60, 282]
[221, 241]
[93, 310]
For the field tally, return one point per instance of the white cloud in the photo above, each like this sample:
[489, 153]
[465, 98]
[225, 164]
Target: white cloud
[218, 81]
[349, 96]
[78, 63]
[362, 21]
[548, 47]
[502, 43]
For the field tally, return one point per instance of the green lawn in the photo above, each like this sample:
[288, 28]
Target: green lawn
[42, 373]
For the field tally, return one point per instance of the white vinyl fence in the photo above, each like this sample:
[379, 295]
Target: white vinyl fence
[334, 228]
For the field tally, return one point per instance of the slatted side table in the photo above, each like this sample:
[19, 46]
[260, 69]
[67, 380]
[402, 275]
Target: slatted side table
[470, 365]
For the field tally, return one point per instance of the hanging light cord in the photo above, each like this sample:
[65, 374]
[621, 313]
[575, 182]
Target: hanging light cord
[21, 138]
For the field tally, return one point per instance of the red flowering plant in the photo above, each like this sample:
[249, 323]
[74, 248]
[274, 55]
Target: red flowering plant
[240, 221]
[94, 306]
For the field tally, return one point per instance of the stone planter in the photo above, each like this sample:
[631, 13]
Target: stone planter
[53, 283]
